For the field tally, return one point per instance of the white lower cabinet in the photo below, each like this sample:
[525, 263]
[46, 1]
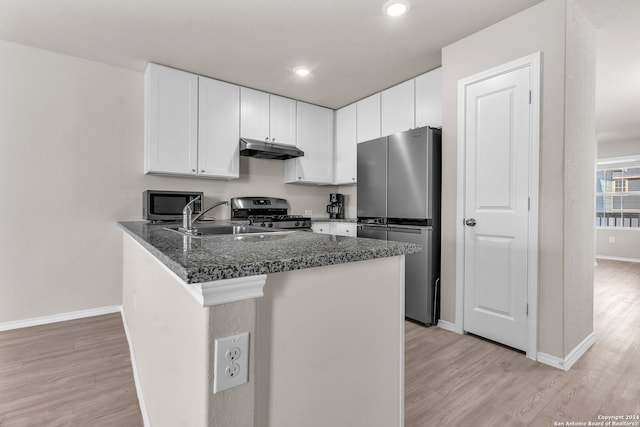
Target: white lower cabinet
[345, 229]
[348, 229]
[314, 137]
[321, 227]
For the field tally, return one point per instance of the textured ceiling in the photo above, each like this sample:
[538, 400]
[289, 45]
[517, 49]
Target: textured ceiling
[353, 49]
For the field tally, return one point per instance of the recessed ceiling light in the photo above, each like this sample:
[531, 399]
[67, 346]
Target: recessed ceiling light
[396, 7]
[302, 71]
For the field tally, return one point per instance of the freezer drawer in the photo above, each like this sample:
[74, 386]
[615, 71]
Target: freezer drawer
[419, 277]
[373, 232]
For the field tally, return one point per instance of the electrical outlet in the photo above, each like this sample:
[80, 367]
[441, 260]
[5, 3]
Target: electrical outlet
[308, 212]
[612, 239]
[231, 362]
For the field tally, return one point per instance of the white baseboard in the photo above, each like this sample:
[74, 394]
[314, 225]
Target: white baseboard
[136, 376]
[44, 320]
[566, 363]
[618, 258]
[447, 326]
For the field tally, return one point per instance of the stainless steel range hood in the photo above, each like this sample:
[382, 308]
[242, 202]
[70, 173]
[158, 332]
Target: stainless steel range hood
[268, 150]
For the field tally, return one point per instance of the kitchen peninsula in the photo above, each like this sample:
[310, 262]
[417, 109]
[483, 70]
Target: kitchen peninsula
[324, 314]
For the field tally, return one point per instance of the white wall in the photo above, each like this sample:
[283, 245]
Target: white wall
[71, 166]
[329, 346]
[540, 28]
[169, 336]
[580, 148]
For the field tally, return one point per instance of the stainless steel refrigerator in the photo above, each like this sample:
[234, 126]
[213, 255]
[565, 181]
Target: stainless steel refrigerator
[399, 181]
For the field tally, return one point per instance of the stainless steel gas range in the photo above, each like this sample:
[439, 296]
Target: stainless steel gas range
[268, 212]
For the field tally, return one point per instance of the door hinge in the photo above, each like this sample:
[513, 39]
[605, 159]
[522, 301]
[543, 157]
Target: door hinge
[527, 309]
[529, 203]
[530, 96]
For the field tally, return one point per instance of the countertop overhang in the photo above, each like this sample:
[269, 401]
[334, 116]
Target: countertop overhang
[199, 260]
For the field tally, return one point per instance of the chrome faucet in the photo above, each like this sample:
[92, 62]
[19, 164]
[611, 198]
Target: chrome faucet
[224, 202]
[188, 219]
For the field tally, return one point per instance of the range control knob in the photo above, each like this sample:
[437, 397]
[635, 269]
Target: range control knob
[297, 223]
[270, 224]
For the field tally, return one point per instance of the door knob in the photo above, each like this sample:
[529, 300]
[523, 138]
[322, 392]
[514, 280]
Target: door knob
[471, 222]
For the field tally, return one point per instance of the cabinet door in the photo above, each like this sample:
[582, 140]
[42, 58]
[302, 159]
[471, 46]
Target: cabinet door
[398, 108]
[283, 120]
[321, 227]
[368, 118]
[429, 99]
[315, 138]
[345, 164]
[171, 121]
[218, 129]
[254, 114]
[345, 229]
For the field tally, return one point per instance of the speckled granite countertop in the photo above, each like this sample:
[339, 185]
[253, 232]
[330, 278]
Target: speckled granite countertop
[197, 260]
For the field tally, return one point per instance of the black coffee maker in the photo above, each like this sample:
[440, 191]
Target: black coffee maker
[336, 207]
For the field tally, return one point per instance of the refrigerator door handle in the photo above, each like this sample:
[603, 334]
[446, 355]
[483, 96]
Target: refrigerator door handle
[408, 230]
[375, 227]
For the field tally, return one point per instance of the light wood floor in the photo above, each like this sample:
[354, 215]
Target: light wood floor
[75, 373]
[78, 373]
[461, 380]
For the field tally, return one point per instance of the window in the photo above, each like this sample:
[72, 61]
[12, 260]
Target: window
[618, 193]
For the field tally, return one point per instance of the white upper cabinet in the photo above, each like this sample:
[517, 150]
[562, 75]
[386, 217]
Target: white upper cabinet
[191, 124]
[218, 129]
[315, 138]
[283, 120]
[171, 121]
[267, 117]
[254, 114]
[429, 99]
[345, 165]
[398, 108]
[368, 118]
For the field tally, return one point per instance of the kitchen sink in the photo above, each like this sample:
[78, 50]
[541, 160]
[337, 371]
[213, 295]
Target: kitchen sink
[221, 230]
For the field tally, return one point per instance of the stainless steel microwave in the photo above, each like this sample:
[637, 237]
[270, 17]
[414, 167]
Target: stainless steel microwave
[168, 205]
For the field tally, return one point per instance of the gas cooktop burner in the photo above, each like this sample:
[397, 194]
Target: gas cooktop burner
[281, 221]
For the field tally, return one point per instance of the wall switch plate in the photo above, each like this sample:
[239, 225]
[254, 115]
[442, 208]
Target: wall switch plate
[308, 212]
[612, 239]
[231, 362]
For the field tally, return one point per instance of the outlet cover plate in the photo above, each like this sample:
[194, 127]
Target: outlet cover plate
[229, 371]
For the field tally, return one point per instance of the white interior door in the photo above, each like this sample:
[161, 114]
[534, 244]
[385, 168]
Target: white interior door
[496, 206]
